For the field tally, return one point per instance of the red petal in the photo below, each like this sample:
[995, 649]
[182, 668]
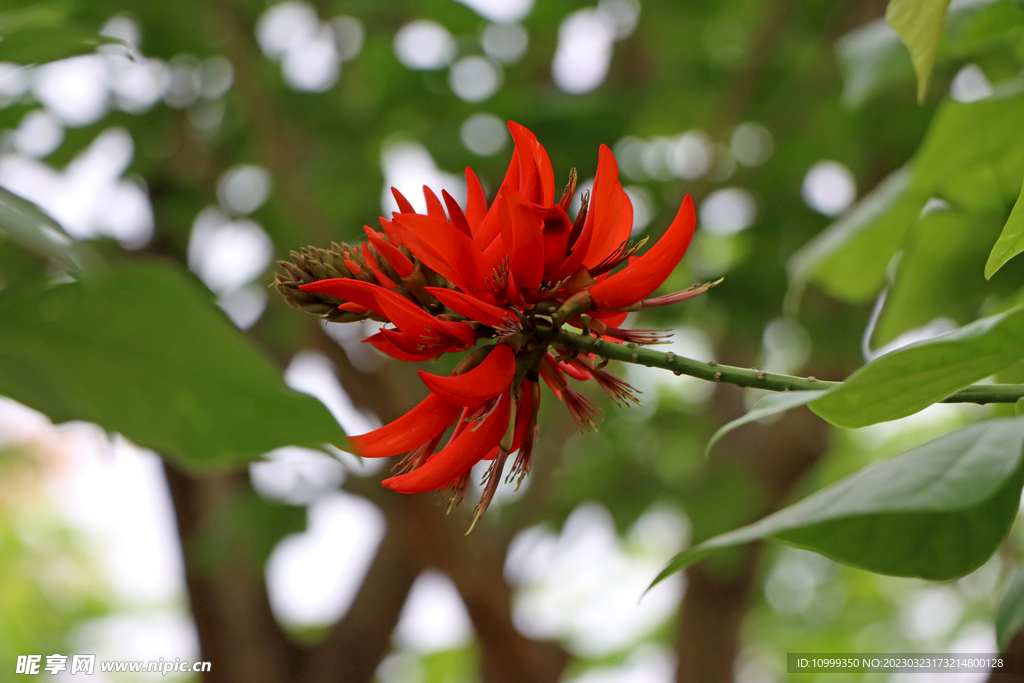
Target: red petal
[611, 214]
[473, 308]
[375, 267]
[357, 291]
[380, 342]
[610, 318]
[476, 201]
[458, 219]
[557, 227]
[431, 417]
[645, 274]
[461, 453]
[403, 204]
[417, 323]
[522, 238]
[536, 178]
[391, 231]
[487, 380]
[571, 370]
[434, 207]
[420, 349]
[449, 252]
[399, 261]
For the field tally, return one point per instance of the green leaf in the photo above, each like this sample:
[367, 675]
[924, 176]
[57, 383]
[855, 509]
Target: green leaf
[919, 24]
[849, 258]
[769, 405]
[1010, 612]
[31, 228]
[940, 273]
[912, 378]
[936, 512]
[1011, 240]
[37, 15]
[139, 349]
[871, 58]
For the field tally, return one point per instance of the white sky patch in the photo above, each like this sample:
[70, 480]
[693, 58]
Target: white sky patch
[312, 373]
[89, 197]
[751, 144]
[434, 617]
[505, 43]
[408, 166]
[484, 134]
[585, 41]
[727, 211]
[424, 45]
[970, 85]
[647, 664]
[583, 585]
[475, 79]
[501, 11]
[147, 637]
[313, 577]
[75, 90]
[137, 84]
[225, 254]
[310, 51]
[216, 75]
[584, 51]
[296, 475]
[829, 187]
[349, 37]
[115, 494]
[244, 306]
[14, 81]
[243, 189]
[185, 82]
[39, 134]
[285, 26]
[314, 65]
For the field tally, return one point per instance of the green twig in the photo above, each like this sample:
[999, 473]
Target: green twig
[748, 377]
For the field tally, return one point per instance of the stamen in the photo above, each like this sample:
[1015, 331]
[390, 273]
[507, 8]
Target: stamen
[569, 191]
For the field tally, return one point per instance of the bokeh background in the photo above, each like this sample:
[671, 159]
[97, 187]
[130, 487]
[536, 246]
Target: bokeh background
[212, 137]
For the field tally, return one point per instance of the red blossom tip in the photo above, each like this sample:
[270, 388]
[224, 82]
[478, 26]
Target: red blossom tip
[646, 273]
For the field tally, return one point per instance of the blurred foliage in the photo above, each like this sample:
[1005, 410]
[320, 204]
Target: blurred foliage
[135, 345]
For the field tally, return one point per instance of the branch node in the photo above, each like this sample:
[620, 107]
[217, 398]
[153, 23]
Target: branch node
[760, 375]
[718, 377]
[712, 362]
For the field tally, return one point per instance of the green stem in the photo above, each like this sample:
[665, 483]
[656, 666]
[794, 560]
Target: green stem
[744, 377]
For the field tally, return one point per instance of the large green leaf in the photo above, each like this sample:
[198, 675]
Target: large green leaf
[937, 512]
[849, 258]
[44, 32]
[31, 228]
[919, 24]
[940, 273]
[965, 159]
[912, 378]
[871, 58]
[1011, 240]
[141, 350]
[1010, 613]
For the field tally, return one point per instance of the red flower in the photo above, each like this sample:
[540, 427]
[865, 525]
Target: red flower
[498, 277]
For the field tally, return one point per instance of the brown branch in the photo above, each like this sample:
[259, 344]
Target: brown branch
[356, 645]
[237, 630]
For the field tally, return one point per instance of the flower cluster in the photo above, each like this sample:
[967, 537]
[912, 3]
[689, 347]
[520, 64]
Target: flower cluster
[496, 281]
